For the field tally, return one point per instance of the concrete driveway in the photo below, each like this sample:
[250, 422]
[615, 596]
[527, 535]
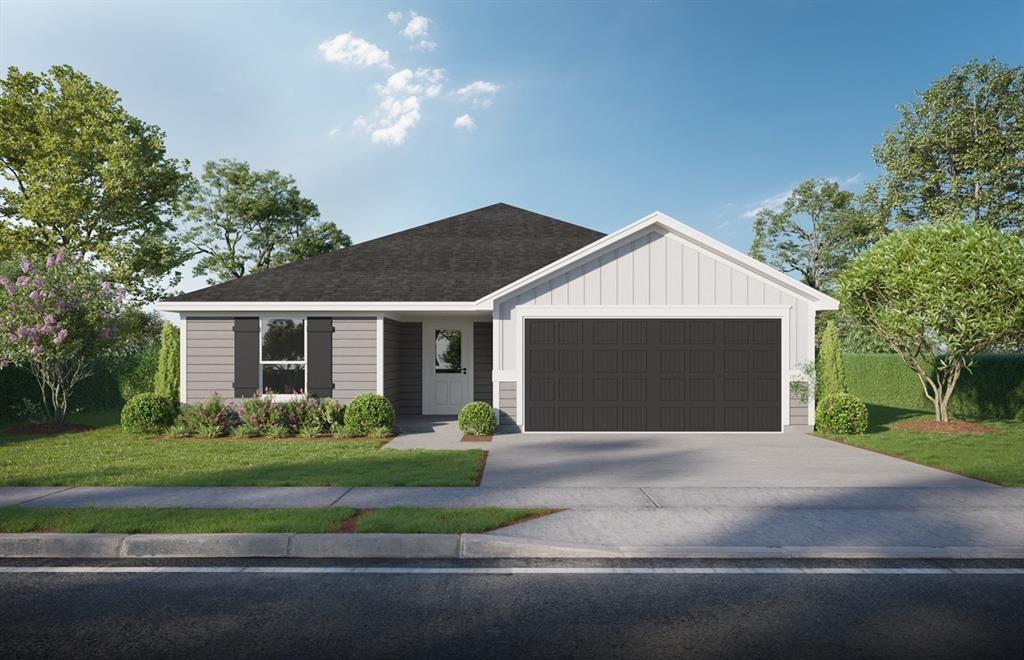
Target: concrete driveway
[790, 459]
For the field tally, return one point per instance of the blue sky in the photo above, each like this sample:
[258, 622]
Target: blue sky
[593, 113]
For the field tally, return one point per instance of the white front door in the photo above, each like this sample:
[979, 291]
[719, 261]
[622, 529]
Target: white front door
[447, 366]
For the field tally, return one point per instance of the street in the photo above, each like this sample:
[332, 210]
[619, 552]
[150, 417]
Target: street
[479, 610]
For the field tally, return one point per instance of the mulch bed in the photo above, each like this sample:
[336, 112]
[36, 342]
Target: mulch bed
[957, 427]
[476, 438]
[48, 428]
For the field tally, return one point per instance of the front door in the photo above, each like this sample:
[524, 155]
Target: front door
[448, 366]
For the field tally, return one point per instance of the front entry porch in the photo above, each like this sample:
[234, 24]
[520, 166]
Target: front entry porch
[430, 432]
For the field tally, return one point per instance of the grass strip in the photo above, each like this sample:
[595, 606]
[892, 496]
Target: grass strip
[414, 520]
[297, 521]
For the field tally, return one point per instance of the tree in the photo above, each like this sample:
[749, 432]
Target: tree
[58, 321]
[168, 374]
[938, 295]
[815, 234]
[832, 378]
[87, 178]
[244, 222]
[958, 151]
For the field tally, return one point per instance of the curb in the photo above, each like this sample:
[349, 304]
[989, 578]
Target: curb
[433, 546]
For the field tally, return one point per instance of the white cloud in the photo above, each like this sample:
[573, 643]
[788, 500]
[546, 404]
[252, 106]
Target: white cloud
[773, 203]
[350, 50]
[400, 105]
[334, 131]
[394, 17]
[478, 88]
[849, 181]
[418, 27]
[465, 122]
[425, 45]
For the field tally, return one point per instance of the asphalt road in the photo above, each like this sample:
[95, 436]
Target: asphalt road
[472, 615]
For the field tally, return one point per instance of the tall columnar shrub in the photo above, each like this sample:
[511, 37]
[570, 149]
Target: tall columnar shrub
[168, 372]
[832, 376]
[59, 320]
[939, 295]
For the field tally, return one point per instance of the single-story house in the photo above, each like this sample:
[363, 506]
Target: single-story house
[655, 327]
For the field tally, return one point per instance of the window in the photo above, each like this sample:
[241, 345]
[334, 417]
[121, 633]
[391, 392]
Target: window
[283, 356]
[447, 351]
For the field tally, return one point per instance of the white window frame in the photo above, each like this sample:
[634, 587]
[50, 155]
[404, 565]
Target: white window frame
[305, 354]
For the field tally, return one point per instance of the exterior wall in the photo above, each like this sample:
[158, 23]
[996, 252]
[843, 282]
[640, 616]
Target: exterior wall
[507, 419]
[355, 357]
[483, 350]
[392, 364]
[210, 354]
[410, 361]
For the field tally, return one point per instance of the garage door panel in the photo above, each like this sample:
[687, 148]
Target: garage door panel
[653, 375]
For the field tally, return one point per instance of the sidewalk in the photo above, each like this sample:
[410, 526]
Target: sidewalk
[595, 522]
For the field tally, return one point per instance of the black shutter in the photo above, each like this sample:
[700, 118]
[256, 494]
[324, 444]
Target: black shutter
[319, 357]
[247, 356]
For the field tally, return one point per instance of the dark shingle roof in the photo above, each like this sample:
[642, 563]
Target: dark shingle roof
[461, 258]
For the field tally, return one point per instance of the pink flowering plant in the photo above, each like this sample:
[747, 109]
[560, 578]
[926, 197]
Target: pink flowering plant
[58, 319]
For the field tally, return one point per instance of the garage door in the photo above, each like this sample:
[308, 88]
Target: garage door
[653, 375]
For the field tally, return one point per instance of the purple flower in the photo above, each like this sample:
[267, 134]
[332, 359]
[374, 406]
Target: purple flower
[106, 333]
[58, 258]
[26, 265]
[106, 286]
[61, 335]
[7, 284]
[49, 319]
[36, 349]
[36, 295]
[4, 363]
[23, 280]
[50, 261]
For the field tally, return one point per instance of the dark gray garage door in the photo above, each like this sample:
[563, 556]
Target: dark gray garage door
[653, 375]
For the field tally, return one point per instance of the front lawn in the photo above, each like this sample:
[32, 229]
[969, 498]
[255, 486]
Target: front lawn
[997, 457]
[401, 520]
[109, 456]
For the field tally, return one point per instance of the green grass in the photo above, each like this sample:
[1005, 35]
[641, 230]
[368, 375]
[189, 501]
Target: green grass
[412, 520]
[298, 521]
[109, 456]
[997, 457]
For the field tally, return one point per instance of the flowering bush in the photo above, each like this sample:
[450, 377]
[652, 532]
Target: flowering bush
[209, 419]
[58, 319]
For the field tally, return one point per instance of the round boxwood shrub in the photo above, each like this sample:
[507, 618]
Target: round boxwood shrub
[368, 412]
[148, 413]
[841, 414]
[478, 418]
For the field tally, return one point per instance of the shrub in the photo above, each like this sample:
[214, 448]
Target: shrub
[147, 413]
[379, 433]
[244, 430]
[258, 413]
[210, 419]
[167, 376]
[331, 413]
[841, 414]
[349, 431]
[278, 431]
[295, 413]
[478, 418]
[369, 411]
[831, 376]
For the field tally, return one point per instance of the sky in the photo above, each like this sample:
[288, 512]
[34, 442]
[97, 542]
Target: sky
[394, 114]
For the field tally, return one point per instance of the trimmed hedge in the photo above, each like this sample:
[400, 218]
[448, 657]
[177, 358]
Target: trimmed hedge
[478, 418]
[148, 413]
[842, 414]
[367, 412]
[994, 389]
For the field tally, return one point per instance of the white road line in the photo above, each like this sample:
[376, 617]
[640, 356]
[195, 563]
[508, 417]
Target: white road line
[515, 570]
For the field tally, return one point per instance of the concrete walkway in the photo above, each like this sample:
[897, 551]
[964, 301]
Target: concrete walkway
[556, 498]
[430, 432]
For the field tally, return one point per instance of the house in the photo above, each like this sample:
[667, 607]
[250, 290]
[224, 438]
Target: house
[655, 327]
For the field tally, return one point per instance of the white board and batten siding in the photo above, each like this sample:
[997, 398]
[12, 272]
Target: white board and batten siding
[655, 269]
[209, 358]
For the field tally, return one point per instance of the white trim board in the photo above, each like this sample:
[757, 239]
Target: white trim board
[781, 312]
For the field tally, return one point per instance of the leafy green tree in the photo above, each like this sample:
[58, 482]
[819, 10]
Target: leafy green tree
[939, 295]
[815, 234]
[168, 374]
[832, 376]
[85, 177]
[244, 222]
[958, 151]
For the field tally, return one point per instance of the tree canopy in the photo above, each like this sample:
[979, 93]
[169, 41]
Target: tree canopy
[958, 151]
[819, 228]
[245, 221]
[86, 177]
[938, 295]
